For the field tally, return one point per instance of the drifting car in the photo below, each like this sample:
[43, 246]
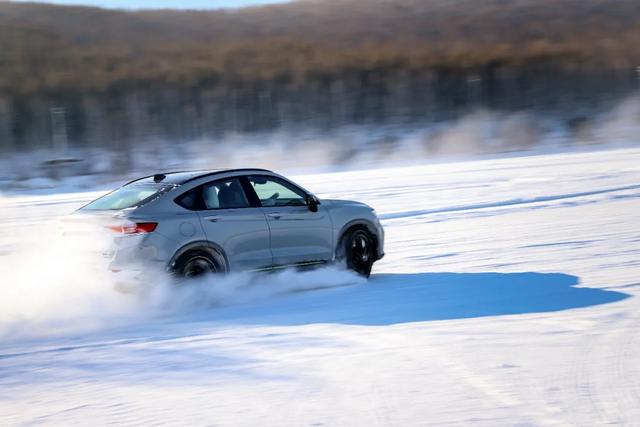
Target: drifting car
[197, 223]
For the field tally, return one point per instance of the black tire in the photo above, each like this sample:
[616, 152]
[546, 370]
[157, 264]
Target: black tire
[197, 264]
[358, 251]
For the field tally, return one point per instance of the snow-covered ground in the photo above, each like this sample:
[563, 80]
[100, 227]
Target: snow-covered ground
[508, 296]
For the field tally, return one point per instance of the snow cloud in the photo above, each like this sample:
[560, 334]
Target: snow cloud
[51, 286]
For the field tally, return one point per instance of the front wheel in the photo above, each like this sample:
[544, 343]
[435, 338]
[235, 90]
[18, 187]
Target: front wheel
[358, 252]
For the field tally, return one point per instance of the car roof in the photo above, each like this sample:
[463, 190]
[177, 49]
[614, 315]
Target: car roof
[182, 177]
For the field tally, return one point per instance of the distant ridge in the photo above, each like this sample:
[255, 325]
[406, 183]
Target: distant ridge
[158, 4]
[311, 36]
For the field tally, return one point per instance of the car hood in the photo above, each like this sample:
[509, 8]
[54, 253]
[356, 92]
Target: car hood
[343, 203]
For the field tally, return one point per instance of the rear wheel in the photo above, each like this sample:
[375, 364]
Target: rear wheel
[196, 264]
[358, 251]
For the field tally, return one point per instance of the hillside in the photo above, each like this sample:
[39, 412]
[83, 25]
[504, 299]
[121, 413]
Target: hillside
[61, 48]
[332, 61]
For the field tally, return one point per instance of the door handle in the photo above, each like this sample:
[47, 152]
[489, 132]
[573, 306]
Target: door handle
[274, 215]
[212, 218]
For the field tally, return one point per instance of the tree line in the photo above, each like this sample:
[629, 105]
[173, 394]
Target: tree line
[86, 75]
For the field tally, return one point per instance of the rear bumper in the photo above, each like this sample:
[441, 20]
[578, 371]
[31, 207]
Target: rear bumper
[127, 281]
[133, 255]
[135, 279]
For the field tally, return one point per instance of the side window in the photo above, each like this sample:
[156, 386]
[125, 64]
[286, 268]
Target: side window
[224, 194]
[191, 200]
[275, 192]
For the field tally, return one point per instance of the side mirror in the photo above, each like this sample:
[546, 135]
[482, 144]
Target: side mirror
[312, 203]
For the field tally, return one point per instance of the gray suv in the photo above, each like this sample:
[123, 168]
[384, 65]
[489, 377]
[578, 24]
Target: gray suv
[194, 223]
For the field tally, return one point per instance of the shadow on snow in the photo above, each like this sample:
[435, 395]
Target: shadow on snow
[399, 298]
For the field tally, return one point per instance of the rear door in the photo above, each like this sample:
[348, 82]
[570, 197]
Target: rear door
[297, 234]
[231, 222]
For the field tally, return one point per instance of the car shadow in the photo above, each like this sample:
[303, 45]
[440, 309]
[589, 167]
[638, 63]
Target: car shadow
[400, 298]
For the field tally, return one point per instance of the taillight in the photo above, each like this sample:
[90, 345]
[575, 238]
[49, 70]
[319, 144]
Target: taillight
[133, 227]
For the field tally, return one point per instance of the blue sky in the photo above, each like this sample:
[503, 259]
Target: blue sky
[159, 4]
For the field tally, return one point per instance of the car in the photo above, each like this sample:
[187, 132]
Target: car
[220, 221]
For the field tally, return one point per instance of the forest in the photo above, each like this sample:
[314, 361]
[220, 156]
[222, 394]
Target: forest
[84, 75]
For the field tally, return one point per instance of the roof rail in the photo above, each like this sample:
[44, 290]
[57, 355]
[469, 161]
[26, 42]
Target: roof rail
[159, 177]
[152, 176]
[221, 171]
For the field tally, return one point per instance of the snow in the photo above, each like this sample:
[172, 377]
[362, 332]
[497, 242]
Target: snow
[507, 296]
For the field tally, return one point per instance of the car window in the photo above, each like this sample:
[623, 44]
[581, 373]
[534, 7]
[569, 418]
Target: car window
[221, 194]
[224, 194]
[275, 192]
[191, 200]
[131, 195]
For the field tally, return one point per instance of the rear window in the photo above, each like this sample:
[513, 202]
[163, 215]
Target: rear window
[136, 194]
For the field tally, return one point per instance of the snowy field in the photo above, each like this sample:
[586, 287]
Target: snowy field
[508, 296]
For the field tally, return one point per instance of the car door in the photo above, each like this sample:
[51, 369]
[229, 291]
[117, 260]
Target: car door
[231, 222]
[298, 235]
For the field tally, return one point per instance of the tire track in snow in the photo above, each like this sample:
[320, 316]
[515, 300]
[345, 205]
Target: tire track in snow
[512, 202]
[606, 377]
[489, 385]
[621, 383]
